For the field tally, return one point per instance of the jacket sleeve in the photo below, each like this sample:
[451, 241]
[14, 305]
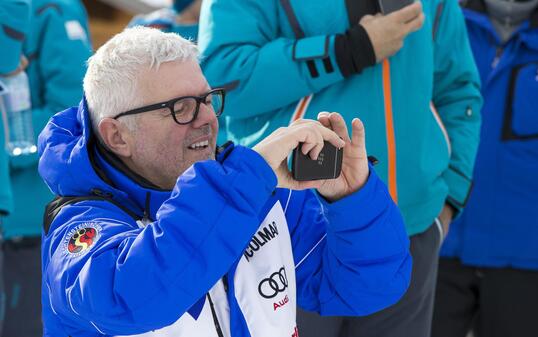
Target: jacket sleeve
[132, 279]
[456, 96]
[352, 256]
[55, 75]
[242, 49]
[14, 26]
[60, 73]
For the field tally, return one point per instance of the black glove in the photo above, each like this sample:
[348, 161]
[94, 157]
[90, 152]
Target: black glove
[354, 51]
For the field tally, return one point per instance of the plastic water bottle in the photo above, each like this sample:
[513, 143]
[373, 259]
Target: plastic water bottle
[16, 109]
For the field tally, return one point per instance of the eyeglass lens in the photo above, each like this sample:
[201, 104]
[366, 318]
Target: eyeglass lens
[185, 108]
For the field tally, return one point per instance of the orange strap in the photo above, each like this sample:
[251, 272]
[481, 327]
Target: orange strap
[301, 108]
[389, 127]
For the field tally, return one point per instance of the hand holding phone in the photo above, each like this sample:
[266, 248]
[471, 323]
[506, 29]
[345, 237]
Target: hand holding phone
[355, 169]
[389, 6]
[276, 148]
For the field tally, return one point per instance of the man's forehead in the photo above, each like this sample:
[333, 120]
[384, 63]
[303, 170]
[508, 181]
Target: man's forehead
[173, 79]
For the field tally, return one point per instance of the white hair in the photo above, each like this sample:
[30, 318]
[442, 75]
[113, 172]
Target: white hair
[112, 79]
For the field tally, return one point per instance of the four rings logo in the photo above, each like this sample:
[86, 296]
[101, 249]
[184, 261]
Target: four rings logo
[276, 283]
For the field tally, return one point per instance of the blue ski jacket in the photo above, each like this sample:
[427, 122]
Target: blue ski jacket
[225, 253]
[499, 227]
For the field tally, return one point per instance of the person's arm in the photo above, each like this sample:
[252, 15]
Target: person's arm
[61, 55]
[456, 96]
[134, 280]
[243, 48]
[241, 45]
[14, 27]
[363, 264]
[352, 256]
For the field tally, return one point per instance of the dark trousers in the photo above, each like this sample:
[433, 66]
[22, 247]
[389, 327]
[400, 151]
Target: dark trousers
[410, 317]
[22, 276]
[493, 302]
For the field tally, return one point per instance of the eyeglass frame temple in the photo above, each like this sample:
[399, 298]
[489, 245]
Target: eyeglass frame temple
[170, 105]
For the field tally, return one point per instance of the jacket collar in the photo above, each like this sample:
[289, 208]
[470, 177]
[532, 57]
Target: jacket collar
[479, 6]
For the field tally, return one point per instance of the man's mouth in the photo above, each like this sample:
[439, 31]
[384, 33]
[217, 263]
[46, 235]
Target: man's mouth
[199, 145]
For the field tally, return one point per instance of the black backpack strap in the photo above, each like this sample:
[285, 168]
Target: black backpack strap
[55, 206]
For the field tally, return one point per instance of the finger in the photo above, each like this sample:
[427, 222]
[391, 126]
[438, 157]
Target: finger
[357, 136]
[339, 126]
[407, 13]
[331, 136]
[308, 134]
[366, 18]
[323, 118]
[415, 24]
[316, 149]
[306, 147]
[24, 62]
[323, 115]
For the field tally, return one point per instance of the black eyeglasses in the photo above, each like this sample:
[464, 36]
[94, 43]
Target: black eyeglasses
[185, 109]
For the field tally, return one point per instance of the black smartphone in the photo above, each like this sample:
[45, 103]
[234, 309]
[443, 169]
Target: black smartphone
[327, 166]
[389, 6]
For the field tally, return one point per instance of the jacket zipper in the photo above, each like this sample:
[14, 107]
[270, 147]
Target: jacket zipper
[497, 58]
[215, 318]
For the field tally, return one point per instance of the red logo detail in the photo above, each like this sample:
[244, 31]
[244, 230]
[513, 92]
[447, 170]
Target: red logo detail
[295, 332]
[81, 240]
[281, 303]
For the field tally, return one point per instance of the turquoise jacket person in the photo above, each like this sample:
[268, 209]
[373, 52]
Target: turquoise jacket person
[420, 107]
[166, 19]
[14, 18]
[57, 48]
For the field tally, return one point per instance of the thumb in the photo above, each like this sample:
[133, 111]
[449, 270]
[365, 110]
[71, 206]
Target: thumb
[358, 142]
[366, 19]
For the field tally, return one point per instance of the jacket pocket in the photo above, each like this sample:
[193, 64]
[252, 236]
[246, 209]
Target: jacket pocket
[520, 120]
[442, 128]
[518, 150]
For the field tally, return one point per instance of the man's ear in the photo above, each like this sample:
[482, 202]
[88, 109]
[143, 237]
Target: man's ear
[116, 136]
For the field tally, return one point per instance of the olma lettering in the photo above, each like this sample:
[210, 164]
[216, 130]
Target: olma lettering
[266, 234]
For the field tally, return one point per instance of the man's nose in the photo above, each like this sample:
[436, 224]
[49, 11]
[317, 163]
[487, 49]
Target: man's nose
[206, 115]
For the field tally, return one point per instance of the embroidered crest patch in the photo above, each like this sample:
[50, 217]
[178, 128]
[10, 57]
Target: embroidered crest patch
[81, 238]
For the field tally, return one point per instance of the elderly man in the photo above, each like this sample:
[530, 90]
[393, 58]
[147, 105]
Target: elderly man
[156, 235]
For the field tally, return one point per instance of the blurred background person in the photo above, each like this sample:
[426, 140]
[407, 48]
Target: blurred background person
[14, 20]
[57, 47]
[182, 18]
[417, 95]
[488, 273]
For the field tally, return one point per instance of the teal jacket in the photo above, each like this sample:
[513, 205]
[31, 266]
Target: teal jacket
[420, 107]
[57, 48]
[14, 20]
[165, 20]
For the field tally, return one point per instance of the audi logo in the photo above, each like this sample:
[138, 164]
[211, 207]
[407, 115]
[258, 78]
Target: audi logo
[274, 284]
